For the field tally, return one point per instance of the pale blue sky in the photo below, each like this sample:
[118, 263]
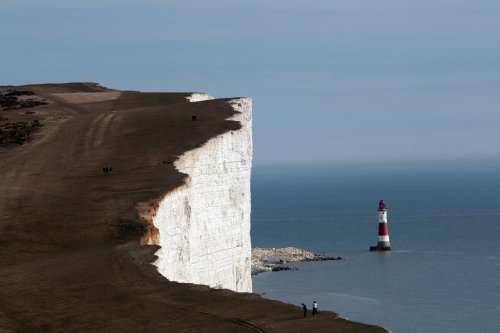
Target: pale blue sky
[333, 82]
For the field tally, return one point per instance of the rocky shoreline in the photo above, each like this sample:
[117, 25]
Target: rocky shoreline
[274, 259]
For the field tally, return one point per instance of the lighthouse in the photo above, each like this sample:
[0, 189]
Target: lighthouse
[383, 231]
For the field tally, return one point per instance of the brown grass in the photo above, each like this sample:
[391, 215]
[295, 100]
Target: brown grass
[71, 259]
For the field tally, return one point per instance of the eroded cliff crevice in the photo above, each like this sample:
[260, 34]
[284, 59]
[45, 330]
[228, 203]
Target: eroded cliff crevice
[204, 225]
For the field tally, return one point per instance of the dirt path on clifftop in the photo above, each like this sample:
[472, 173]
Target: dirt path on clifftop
[71, 258]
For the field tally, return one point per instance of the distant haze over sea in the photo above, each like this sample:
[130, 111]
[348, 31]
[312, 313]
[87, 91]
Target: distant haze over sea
[340, 168]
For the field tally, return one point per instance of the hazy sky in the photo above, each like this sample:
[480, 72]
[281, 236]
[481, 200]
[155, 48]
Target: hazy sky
[333, 82]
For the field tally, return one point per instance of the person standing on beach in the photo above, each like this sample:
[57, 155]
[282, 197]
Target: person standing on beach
[305, 309]
[315, 308]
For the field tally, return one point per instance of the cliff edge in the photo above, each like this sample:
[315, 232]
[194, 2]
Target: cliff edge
[77, 162]
[204, 225]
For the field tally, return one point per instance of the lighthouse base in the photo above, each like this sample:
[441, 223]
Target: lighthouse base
[381, 246]
[376, 248]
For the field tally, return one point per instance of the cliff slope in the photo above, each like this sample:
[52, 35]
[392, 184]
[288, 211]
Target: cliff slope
[73, 248]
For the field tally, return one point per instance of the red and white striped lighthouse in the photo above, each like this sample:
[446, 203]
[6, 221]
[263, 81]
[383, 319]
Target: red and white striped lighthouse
[383, 231]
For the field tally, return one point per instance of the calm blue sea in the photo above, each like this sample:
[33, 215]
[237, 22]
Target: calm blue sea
[443, 274]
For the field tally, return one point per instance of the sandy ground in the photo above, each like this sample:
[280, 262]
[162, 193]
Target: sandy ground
[70, 239]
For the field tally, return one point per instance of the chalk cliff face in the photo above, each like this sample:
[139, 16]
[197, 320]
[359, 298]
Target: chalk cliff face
[204, 225]
[199, 97]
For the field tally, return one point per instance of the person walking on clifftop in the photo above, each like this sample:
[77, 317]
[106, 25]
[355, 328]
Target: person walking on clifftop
[305, 309]
[315, 308]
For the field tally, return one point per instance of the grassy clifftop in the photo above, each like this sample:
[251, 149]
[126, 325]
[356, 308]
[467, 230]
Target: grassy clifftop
[70, 238]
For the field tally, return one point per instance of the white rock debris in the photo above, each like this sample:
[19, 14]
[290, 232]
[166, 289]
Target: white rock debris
[272, 259]
[265, 259]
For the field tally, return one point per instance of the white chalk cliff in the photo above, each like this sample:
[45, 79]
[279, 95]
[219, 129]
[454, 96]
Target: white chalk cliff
[204, 225]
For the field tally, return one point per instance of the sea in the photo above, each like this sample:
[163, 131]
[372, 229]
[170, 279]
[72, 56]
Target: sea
[443, 273]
